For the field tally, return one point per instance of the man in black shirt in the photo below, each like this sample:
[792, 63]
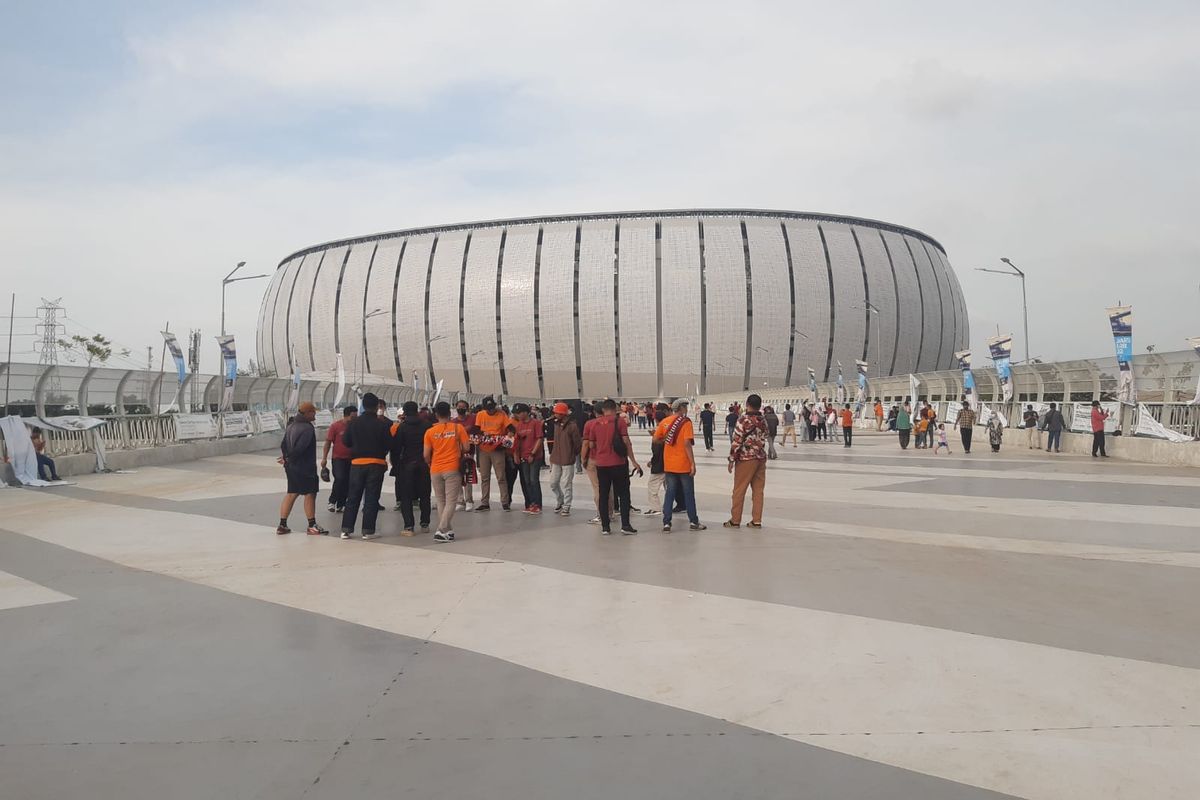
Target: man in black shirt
[369, 439]
[298, 455]
[708, 418]
[409, 468]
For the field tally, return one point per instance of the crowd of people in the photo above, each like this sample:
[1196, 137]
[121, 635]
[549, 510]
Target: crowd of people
[437, 456]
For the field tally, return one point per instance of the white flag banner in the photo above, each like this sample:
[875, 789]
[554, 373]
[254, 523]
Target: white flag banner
[914, 388]
[1147, 425]
[293, 402]
[438, 393]
[1195, 343]
[341, 381]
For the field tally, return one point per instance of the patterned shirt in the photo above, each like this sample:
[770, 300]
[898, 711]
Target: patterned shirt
[749, 438]
[965, 419]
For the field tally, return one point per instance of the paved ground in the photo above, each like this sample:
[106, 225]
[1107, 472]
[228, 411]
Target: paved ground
[904, 627]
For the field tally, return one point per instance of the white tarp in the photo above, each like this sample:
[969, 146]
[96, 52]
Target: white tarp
[1147, 425]
[324, 418]
[195, 426]
[1081, 417]
[268, 421]
[21, 454]
[236, 424]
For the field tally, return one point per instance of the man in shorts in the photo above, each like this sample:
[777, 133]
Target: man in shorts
[298, 455]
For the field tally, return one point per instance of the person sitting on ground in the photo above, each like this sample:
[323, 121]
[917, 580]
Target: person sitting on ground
[44, 462]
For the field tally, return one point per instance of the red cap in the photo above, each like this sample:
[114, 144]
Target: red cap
[562, 408]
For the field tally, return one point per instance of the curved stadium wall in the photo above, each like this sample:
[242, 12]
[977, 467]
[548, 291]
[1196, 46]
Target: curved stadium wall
[637, 304]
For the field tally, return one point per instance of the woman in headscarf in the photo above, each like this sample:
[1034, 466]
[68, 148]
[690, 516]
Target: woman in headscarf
[995, 432]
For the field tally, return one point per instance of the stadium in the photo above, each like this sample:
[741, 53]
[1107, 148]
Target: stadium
[641, 304]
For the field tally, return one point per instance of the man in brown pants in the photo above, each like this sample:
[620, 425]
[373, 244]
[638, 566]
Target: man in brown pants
[493, 425]
[748, 463]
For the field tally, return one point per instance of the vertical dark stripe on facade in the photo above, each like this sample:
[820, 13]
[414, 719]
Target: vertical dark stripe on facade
[499, 338]
[311, 360]
[658, 332]
[703, 313]
[896, 294]
[936, 266]
[537, 313]
[617, 302]
[275, 310]
[366, 287]
[787, 249]
[575, 312]
[749, 308]
[462, 319]
[432, 376]
[866, 301]
[917, 366]
[832, 307]
[287, 319]
[395, 298]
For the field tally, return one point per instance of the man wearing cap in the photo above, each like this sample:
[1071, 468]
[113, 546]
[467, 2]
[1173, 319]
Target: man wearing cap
[679, 465]
[409, 467]
[564, 449]
[369, 439]
[341, 459]
[493, 424]
[298, 455]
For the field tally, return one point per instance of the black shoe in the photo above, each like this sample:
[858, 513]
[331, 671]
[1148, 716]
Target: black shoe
[628, 530]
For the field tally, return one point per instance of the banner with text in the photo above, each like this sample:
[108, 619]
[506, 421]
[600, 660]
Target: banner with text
[860, 398]
[812, 386]
[840, 394]
[195, 426]
[229, 368]
[964, 363]
[1120, 319]
[1000, 348]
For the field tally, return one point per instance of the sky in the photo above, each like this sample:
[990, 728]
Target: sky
[147, 147]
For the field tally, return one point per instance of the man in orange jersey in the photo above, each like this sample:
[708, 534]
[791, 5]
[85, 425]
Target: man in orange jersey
[445, 444]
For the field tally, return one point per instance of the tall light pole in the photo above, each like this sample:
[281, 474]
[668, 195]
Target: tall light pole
[1016, 273]
[362, 372]
[870, 308]
[228, 279]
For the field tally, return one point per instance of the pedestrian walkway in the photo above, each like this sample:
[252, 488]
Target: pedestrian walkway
[904, 626]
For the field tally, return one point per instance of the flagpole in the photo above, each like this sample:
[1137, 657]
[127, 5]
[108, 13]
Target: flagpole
[12, 310]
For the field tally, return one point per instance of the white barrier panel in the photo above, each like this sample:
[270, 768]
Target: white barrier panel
[1081, 417]
[236, 424]
[195, 426]
[268, 421]
[324, 418]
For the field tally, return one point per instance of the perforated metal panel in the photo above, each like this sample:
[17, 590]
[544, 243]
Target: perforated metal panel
[681, 308]
[949, 306]
[850, 324]
[596, 309]
[935, 327]
[280, 316]
[963, 327]
[349, 311]
[324, 296]
[517, 311]
[298, 319]
[557, 308]
[410, 307]
[812, 299]
[444, 287]
[909, 305]
[479, 321]
[639, 309]
[379, 290]
[772, 302]
[266, 328]
[725, 304]
[883, 296]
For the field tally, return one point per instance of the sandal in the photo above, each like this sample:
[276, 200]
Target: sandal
[730, 524]
[753, 524]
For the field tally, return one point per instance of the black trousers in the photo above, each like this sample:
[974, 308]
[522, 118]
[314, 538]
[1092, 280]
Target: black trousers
[412, 483]
[1098, 443]
[905, 433]
[966, 438]
[341, 482]
[708, 438]
[822, 431]
[847, 434]
[366, 482]
[613, 479]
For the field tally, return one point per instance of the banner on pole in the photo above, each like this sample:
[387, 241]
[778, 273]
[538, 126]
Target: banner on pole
[964, 363]
[860, 398]
[1195, 343]
[1001, 351]
[229, 368]
[176, 354]
[341, 382]
[1120, 319]
[812, 386]
[840, 394]
[914, 387]
[293, 402]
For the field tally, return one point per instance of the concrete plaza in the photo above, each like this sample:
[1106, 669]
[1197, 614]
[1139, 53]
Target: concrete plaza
[905, 626]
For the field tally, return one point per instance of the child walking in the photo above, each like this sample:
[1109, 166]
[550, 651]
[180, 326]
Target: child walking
[941, 439]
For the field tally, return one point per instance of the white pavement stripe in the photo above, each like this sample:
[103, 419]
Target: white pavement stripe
[781, 669]
[17, 592]
[883, 472]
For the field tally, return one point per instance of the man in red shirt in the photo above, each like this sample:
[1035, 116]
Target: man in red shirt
[606, 443]
[530, 454]
[341, 459]
[1099, 417]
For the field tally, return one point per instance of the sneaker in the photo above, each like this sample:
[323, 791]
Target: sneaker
[650, 512]
[340, 510]
[424, 527]
[317, 530]
[696, 526]
[405, 532]
[282, 529]
[397, 507]
[594, 521]
[558, 509]
[439, 536]
[506, 506]
[381, 508]
[482, 507]
[634, 510]
[666, 528]
[627, 530]
[332, 507]
[346, 534]
[369, 535]
[606, 532]
[527, 510]
[564, 512]
[535, 510]
[466, 508]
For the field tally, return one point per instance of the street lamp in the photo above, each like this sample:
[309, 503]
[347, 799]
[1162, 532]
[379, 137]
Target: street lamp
[362, 372]
[1016, 273]
[228, 279]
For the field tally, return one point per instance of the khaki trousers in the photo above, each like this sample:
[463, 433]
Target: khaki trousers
[750, 475]
[447, 487]
[1030, 433]
[489, 461]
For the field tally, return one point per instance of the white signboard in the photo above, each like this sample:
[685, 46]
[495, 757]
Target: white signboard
[195, 426]
[268, 421]
[236, 424]
[324, 418]
[952, 409]
[1081, 417]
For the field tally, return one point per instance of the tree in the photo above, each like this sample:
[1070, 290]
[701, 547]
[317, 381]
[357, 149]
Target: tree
[96, 348]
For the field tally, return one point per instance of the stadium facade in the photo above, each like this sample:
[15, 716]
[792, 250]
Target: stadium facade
[637, 304]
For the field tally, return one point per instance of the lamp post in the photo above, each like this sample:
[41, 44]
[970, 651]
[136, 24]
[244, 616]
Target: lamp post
[870, 308]
[1016, 273]
[228, 279]
[362, 372]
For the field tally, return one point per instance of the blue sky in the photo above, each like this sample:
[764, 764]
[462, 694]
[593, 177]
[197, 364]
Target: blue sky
[147, 147]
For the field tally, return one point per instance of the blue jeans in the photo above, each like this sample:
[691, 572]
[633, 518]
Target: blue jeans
[685, 483]
[1053, 440]
[46, 464]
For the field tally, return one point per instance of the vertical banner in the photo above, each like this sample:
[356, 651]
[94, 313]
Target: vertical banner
[428, 389]
[812, 386]
[229, 367]
[438, 393]
[964, 363]
[341, 382]
[416, 384]
[914, 387]
[840, 394]
[861, 397]
[1120, 318]
[1195, 343]
[293, 403]
[180, 364]
[1001, 350]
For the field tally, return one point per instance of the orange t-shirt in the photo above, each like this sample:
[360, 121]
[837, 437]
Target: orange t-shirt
[494, 424]
[847, 418]
[675, 457]
[446, 440]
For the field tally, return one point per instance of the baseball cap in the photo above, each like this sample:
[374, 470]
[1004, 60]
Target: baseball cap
[562, 408]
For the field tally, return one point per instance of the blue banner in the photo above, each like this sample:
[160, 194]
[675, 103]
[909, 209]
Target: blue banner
[176, 353]
[229, 368]
[861, 398]
[964, 363]
[1120, 319]
[841, 385]
[1001, 351]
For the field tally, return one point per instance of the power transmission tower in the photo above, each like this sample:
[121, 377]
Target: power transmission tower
[193, 363]
[49, 330]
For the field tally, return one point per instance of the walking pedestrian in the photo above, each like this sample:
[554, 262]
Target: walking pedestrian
[409, 467]
[567, 443]
[904, 424]
[444, 446]
[341, 459]
[772, 420]
[466, 418]
[822, 415]
[657, 479]
[789, 425]
[941, 439]
[606, 443]
[1054, 424]
[731, 420]
[298, 455]
[369, 439]
[847, 424]
[748, 463]
[1032, 427]
[995, 432]
[878, 414]
[708, 418]
[1099, 417]
[674, 436]
[530, 455]
[494, 427]
[965, 422]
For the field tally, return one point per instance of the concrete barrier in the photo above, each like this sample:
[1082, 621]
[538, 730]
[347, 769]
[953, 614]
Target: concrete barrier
[1132, 448]
[85, 463]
